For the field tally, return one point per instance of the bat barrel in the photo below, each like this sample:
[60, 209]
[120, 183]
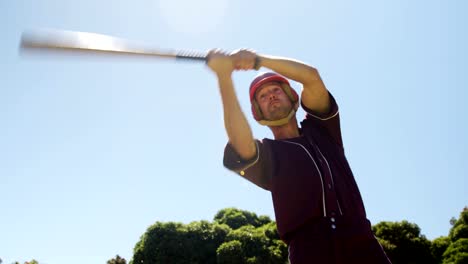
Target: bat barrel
[62, 41]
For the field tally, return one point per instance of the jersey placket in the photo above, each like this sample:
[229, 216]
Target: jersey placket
[331, 199]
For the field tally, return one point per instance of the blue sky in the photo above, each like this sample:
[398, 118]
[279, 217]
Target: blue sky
[94, 150]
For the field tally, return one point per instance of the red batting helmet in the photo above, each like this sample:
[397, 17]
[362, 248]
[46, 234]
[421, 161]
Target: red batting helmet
[266, 78]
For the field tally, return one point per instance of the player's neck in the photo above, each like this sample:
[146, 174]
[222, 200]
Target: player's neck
[289, 130]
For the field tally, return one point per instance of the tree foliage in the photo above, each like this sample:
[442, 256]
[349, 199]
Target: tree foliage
[438, 247]
[235, 236]
[256, 241]
[238, 236]
[457, 251]
[460, 226]
[236, 218]
[33, 261]
[403, 242]
[230, 252]
[117, 260]
[178, 243]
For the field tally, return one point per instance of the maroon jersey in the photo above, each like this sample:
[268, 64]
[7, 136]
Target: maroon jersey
[310, 181]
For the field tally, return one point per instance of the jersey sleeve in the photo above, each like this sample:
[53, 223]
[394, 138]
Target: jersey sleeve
[256, 170]
[329, 123]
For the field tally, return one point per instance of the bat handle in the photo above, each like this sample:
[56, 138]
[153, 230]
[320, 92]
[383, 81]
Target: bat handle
[191, 55]
[198, 56]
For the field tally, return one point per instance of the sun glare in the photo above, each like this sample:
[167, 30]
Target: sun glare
[97, 41]
[193, 17]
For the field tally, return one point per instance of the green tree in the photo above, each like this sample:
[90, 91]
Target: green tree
[278, 250]
[33, 261]
[438, 247]
[236, 218]
[457, 251]
[230, 253]
[460, 226]
[257, 245]
[161, 243]
[235, 236]
[117, 260]
[204, 238]
[263, 220]
[254, 242]
[404, 243]
[270, 231]
[179, 244]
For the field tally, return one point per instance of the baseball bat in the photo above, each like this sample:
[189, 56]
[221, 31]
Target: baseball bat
[60, 41]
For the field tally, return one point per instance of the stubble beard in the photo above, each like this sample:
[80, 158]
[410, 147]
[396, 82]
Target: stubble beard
[278, 112]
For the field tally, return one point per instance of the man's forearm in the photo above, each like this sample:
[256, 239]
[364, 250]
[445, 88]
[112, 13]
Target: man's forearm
[314, 94]
[290, 68]
[235, 122]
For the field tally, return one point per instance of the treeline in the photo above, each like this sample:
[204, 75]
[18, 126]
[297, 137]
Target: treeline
[238, 236]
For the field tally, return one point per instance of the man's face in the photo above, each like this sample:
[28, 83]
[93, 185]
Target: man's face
[273, 101]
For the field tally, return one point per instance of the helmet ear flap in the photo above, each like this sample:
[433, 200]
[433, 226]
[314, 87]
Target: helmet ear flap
[257, 113]
[291, 93]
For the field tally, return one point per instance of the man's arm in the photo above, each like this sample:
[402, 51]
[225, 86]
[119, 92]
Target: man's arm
[314, 94]
[235, 122]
